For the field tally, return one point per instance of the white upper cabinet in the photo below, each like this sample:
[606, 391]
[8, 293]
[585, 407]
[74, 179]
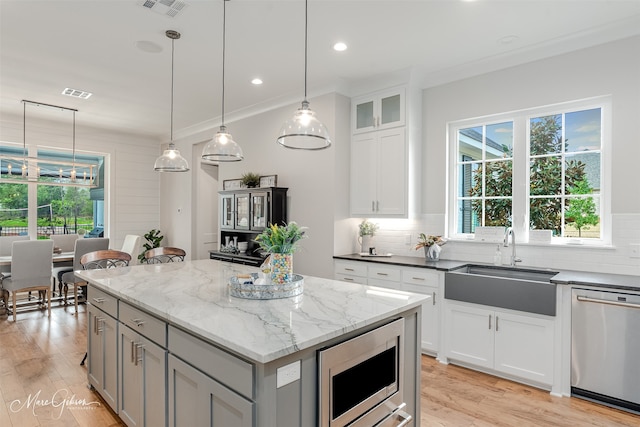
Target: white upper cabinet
[379, 173]
[381, 110]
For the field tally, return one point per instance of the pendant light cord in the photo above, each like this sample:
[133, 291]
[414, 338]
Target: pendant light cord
[224, 48]
[24, 133]
[74, 140]
[306, 7]
[173, 41]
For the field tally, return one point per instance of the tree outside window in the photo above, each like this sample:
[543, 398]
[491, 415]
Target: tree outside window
[563, 180]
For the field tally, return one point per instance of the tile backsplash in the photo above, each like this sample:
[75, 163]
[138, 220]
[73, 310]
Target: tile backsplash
[399, 237]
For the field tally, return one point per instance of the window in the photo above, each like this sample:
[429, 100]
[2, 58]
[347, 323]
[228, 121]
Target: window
[57, 205]
[485, 169]
[539, 169]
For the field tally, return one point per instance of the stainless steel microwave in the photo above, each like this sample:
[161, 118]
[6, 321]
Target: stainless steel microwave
[360, 380]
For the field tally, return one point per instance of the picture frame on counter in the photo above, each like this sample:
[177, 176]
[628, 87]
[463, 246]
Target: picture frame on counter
[232, 184]
[269, 181]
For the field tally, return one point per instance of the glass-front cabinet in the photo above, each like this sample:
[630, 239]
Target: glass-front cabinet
[227, 217]
[242, 211]
[244, 214]
[259, 207]
[381, 110]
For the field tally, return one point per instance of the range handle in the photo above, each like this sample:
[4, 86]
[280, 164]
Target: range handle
[604, 301]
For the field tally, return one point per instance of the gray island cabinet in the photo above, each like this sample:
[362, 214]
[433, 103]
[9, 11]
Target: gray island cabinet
[169, 346]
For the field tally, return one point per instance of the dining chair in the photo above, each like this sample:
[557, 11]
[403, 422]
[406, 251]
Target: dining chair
[30, 271]
[66, 243]
[82, 246]
[6, 243]
[164, 254]
[132, 244]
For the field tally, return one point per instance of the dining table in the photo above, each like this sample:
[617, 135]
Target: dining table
[57, 258]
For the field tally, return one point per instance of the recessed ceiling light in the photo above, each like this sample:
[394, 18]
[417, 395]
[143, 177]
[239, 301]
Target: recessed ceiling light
[340, 47]
[76, 93]
[256, 81]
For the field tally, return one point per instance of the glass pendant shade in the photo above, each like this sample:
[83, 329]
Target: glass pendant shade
[171, 161]
[304, 131]
[222, 148]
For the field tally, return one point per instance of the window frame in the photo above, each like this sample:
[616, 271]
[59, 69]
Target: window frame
[521, 171]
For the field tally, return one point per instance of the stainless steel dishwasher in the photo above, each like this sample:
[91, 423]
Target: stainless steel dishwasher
[605, 347]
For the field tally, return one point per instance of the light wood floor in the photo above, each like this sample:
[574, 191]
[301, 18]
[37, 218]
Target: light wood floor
[39, 357]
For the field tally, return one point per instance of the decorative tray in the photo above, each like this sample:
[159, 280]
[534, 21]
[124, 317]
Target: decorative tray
[245, 287]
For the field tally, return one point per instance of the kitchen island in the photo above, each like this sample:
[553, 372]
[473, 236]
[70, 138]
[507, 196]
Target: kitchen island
[168, 345]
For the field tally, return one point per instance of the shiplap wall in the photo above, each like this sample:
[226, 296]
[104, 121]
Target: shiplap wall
[133, 202]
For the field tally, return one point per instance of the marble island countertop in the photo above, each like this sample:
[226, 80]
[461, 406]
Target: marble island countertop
[194, 296]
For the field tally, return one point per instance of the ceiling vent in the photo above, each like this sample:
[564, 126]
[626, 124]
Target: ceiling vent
[76, 93]
[164, 7]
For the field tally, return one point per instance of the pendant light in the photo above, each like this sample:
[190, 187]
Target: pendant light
[171, 160]
[304, 131]
[222, 148]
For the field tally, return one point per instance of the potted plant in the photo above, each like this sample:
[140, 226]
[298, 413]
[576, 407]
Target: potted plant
[251, 180]
[153, 239]
[431, 244]
[366, 231]
[281, 241]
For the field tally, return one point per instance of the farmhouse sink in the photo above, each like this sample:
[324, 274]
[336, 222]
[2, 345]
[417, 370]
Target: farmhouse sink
[505, 287]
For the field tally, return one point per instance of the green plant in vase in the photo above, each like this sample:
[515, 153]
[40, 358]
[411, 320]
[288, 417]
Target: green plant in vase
[251, 180]
[281, 241]
[366, 231]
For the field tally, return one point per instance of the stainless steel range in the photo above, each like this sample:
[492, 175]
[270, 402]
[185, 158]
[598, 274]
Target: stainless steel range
[360, 380]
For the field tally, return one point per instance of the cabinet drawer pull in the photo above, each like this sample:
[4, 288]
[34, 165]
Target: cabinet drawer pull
[99, 329]
[433, 295]
[347, 279]
[490, 321]
[373, 206]
[138, 355]
[133, 352]
[138, 322]
[382, 274]
[348, 269]
[98, 300]
[497, 318]
[417, 278]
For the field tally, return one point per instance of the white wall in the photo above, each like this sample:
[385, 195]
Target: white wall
[314, 178]
[133, 204]
[610, 69]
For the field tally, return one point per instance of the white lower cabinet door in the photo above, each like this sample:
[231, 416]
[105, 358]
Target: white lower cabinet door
[430, 316]
[470, 334]
[142, 380]
[524, 346]
[102, 360]
[195, 399]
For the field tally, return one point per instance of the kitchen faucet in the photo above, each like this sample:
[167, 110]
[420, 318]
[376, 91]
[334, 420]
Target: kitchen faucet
[510, 232]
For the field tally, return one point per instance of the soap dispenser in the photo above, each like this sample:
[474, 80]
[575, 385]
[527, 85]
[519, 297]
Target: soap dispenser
[497, 257]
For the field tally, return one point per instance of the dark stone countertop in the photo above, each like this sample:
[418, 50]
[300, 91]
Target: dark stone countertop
[564, 277]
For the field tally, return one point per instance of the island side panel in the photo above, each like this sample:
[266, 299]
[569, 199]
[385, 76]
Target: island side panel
[296, 404]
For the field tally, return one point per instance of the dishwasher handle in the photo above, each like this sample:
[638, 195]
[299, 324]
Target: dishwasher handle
[604, 301]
